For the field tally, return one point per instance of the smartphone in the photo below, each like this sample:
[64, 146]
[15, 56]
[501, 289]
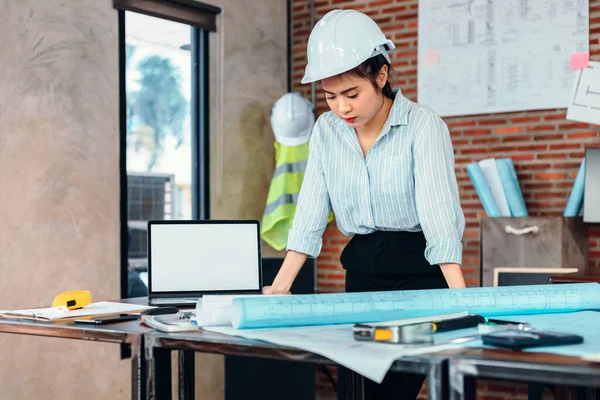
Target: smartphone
[106, 319]
[517, 340]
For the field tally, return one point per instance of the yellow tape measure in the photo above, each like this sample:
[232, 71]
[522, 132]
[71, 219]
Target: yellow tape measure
[73, 299]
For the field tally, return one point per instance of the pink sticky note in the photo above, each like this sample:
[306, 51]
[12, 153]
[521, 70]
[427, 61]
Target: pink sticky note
[579, 60]
[431, 57]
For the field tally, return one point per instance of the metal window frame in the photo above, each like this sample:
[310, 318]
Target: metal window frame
[189, 12]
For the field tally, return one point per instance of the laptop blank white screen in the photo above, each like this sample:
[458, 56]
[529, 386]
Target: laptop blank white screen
[204, 257]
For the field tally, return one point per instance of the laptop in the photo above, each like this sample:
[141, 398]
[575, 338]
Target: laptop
[187, 259]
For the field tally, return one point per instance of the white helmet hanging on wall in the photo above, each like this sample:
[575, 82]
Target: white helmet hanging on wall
[341, 41]
[292, 119]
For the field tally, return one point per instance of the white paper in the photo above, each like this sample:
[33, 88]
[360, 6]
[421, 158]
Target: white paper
[215, 310]
[98, 308]
[483, 56]
[490, 171]
[336, 342]
[584, 105]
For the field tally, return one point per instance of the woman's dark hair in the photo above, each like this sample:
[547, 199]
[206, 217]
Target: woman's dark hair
[369, 70]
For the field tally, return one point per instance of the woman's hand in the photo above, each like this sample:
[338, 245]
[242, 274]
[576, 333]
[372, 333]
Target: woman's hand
[274, 290]
[282, 283]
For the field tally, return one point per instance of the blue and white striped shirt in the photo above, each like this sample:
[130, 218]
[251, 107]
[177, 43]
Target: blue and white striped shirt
[406, 183]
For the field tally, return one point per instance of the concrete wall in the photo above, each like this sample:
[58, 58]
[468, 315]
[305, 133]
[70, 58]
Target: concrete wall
[248, 73]
[59, 177]
[59, 188]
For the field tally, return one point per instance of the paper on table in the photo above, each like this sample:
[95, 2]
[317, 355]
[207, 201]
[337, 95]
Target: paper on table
[583, 323]
[490, 171]
[336, 342]
[98, 308]
[373, 360]
[215, 310]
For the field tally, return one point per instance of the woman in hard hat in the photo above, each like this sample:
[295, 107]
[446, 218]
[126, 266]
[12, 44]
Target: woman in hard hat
[385, 166]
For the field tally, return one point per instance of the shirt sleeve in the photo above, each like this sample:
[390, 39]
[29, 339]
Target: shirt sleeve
[436, 191]
[313, 206]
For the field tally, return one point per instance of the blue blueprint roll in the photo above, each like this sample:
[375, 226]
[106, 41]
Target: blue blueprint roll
[512, 190]
[349, 308]
[576, 197]
[483, 190]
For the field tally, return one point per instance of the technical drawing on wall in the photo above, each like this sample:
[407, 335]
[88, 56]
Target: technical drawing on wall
[498, 56]
[584, 105]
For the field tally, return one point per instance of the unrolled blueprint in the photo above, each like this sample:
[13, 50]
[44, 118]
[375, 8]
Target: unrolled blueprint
[484, 56]
[583, 323]
[346, 308]
[337, 343]
[373, 360]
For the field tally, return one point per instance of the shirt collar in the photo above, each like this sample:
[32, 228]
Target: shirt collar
[399, 110]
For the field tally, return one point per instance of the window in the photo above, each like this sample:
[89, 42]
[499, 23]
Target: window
[164, 129]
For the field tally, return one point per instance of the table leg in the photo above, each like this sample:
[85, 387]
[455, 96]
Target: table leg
[138, 372]
[437, 381]
[462, 386]
[535, 390]
[158, 371]
[350, 384]
[187, 376]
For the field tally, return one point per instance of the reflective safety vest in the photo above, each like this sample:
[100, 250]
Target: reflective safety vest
[290, 164]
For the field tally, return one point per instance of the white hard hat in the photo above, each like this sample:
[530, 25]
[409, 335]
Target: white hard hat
[341, 41]
[292, 119]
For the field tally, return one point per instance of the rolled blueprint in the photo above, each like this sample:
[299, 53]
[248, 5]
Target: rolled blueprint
[490, 172]
[510, 183]
[483, 190]
[349, 308]
[576, 196]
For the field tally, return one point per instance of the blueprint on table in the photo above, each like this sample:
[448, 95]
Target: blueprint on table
[336, 342]
[373, 360]
[583, 323]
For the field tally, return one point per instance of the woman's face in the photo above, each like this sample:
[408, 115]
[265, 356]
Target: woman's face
[352, 98]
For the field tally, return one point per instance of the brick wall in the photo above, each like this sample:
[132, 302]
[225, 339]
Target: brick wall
[545, 147]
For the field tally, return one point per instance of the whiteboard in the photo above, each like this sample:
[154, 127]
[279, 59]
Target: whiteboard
[489, 56]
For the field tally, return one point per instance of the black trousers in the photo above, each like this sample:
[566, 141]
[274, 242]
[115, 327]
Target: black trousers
[384, 261]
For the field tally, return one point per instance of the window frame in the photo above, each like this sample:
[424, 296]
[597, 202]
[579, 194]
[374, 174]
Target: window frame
[200, 120]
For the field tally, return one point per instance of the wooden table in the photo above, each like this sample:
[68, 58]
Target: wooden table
[468, 365]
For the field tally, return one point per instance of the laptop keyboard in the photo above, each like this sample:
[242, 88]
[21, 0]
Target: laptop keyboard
[173, 300]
